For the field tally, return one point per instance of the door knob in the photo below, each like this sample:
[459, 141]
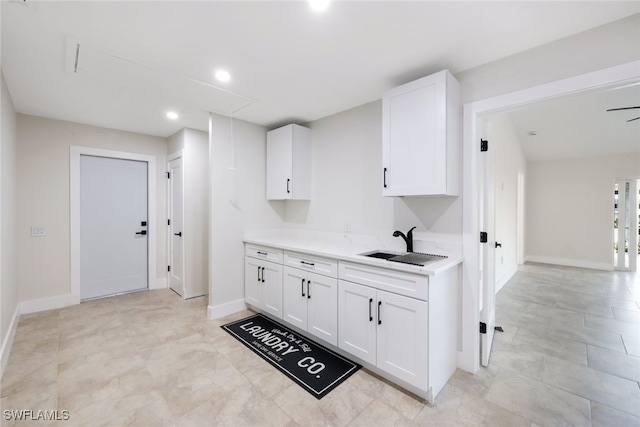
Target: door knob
[179, 234]
[498, 245]
[142, 233]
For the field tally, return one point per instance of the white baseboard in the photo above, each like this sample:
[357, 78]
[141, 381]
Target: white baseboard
[7, 342]
[505, 278]
[43, 304]
[159, 283]
[569, 262]
[218, 311]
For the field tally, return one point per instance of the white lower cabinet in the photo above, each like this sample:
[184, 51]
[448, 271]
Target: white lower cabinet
[384, 329]
[311, 303]
[263, 285]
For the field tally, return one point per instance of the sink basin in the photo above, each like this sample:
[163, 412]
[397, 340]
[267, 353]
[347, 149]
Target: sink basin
[413, 258]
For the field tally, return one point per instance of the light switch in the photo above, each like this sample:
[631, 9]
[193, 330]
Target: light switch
[38, 231]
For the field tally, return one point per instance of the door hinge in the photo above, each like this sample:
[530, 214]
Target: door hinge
[168, 268]
[168, 175]
[483, 237]
[483, 328]
[484, 145]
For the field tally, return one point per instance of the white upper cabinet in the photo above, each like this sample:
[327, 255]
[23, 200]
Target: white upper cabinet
[421, 137]
[289, 163]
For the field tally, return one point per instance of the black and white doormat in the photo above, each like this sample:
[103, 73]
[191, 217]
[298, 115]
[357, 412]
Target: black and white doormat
[315, 368]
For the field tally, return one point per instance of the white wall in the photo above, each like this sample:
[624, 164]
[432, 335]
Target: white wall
[612, 44]
[9, 297]
[347, 184]
[570, 209]
[238, 202]
[510, 160]
[43, 197]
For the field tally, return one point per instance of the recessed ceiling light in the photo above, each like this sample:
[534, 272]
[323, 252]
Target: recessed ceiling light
[172, 115]
[319, 5]
[222, 76]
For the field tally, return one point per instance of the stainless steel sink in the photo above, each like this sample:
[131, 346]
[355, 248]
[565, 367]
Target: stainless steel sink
[413, 258]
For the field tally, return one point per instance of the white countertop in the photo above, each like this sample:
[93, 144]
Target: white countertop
[348, 247]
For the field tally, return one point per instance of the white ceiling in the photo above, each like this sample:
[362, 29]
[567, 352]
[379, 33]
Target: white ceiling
[580, 125]
[139, 59]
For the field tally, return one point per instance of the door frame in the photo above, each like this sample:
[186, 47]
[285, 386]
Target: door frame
[468, 357]
[74, 211]
[173, 156]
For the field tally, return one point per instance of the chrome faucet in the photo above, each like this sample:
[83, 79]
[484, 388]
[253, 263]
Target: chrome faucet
[408, 239]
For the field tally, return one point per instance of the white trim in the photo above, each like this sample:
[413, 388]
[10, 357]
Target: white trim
[218, 311]
[468, 358]
[49, 303]
[7, 343]
[505, 278]
[160, 283]
[570, 262]
[74, 165]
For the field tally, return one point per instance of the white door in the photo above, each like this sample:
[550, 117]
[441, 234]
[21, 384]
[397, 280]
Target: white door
[295, 297]
[322, 307]
[279, 163]
[271, 279]
[487, 222]
[252, 281]
[357, 320]
[402, 337]
[176, 223]
[113, 226]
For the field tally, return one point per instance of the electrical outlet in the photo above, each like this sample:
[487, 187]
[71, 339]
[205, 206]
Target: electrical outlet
[38, 231]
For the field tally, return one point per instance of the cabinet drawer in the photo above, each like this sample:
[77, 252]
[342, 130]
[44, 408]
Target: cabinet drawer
[264, 252]
[319, 265]
[411, 285]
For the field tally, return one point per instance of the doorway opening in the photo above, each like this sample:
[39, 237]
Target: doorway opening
[626, 223]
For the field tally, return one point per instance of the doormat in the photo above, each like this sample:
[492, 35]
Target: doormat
[315, 368]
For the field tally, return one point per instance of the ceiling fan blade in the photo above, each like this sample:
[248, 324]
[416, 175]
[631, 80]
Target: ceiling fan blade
[637, 118]
[623, 108]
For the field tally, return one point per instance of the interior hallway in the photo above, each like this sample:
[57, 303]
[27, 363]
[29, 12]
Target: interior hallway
[570, 355]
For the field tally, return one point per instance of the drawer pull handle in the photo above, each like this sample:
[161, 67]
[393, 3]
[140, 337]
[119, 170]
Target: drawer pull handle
[370, 303]
[262, 253]
[302, 287]
[307, 263]
[379, 318]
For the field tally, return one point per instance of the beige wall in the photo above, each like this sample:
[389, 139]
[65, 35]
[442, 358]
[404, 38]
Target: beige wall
[9, 297]
[43, 197]
[570, 209]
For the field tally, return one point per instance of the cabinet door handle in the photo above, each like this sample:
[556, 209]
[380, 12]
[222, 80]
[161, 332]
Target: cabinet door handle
[307, 263]
[379, 318]
[370, 303]
[288, 182]
[308, 289]
[384, 177]
[302, 288]
[262, 274]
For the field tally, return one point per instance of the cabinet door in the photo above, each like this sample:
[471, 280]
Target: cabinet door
[295, 297]
[322, 306]
[280, 163]
[253, 282]
[414, 150]
[402, 338]
[272, 288]
[357, 320]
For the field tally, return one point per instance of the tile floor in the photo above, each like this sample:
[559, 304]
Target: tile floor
[569, 356]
